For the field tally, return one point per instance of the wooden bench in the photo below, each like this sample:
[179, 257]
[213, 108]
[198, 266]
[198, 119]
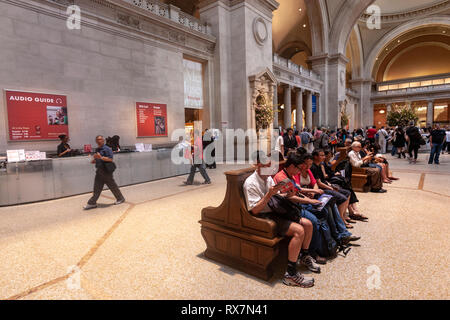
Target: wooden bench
[360, 178]
[234, 236]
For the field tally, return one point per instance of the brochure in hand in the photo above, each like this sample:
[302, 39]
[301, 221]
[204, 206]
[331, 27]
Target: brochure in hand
[288, 185]
[323, 201]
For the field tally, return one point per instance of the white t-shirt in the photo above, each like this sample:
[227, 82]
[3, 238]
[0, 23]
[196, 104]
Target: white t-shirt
[255, 188]
[447, 135]
[279, 143]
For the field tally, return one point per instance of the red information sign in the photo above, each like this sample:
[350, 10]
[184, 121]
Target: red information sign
[151, 119]
[36, 116]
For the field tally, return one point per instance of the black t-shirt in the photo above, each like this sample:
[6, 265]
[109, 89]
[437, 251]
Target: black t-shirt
[437, 136]
[317, 172]
[63, 147]
[413, 134]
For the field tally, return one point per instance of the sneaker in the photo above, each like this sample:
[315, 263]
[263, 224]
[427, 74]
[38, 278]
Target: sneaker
[119, 201]
[187, 183]
[320, 260]
[298, 280]
[207, 182]
[310, 263]
[89, 206]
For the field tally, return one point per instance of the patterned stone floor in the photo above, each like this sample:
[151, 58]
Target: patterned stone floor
[151, 247]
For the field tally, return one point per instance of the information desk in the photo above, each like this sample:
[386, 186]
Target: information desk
[30, 181]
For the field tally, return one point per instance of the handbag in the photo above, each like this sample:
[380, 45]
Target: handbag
[110, 167]
[285, 208]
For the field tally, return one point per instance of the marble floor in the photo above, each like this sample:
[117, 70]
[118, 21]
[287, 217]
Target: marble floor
[151, 247]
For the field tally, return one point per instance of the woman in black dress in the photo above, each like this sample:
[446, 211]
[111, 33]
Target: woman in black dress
[400, 142]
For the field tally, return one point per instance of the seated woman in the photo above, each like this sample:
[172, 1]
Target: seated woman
[379, 159]
[329, 174]
[341, 195]
[308, 184]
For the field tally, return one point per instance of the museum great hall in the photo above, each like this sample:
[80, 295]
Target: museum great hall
[143, 71]
[327, 58]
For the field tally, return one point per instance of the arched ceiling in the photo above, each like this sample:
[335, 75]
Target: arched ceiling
[291, 26]
[396, 6]
[438, 34]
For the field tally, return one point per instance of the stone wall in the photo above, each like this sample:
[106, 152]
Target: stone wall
[103, 69]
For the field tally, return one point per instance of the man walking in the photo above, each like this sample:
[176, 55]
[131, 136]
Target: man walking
[413, 136]
[103, 159]
[197, 161]
[382, 136]
[437, 137]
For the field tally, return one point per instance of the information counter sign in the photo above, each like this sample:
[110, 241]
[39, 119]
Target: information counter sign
[151, 119]
[36, 116]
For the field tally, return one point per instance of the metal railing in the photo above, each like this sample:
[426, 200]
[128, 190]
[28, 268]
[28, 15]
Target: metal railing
[173, 13]
[294, 67]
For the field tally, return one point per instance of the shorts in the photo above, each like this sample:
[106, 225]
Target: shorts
[282, 224]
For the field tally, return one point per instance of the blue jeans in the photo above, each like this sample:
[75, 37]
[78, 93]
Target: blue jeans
[337, 225]
[316, 240]
[393, 151]
[435, 152]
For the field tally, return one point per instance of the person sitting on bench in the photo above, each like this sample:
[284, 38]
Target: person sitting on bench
[259, 188]
[357, 161]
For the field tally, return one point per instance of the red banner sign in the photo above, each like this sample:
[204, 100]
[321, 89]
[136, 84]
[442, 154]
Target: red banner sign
[151, 119]
[36, 116]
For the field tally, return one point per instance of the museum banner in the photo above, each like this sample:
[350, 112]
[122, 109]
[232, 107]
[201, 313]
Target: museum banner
[151, 119]
[36, 116]
[193, 84]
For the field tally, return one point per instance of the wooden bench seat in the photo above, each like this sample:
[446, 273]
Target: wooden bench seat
[234, 236]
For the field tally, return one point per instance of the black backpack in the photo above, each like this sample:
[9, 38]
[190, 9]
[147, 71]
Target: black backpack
[328, 246]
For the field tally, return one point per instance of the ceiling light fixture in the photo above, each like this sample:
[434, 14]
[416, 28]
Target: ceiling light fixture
[444, 31]
[304, 26]
[300, 9]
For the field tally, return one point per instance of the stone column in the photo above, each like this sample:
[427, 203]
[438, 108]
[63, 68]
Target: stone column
[336, 87]
[309, 109]
[364, 114]
[299, 112]
[275, 107]
[319, 65]
[430, 113]
[287, 106]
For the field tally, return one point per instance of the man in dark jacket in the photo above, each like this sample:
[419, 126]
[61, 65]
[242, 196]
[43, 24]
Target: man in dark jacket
[290, 143]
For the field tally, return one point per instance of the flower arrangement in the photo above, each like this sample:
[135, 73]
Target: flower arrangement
[401, 116]
[263, 113]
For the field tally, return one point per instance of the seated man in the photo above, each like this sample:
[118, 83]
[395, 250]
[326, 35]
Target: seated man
[336, 178]
[305, 179]
[307, 186]
[259, 188]
[342, 196]
[290, 170]
[358, 162]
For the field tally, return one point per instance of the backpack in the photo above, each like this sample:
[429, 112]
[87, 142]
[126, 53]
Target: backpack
[328, 246]
[304, 137]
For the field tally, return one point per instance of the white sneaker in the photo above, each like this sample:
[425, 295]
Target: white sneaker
[89, 206]
[310, 263]
[298, 280]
